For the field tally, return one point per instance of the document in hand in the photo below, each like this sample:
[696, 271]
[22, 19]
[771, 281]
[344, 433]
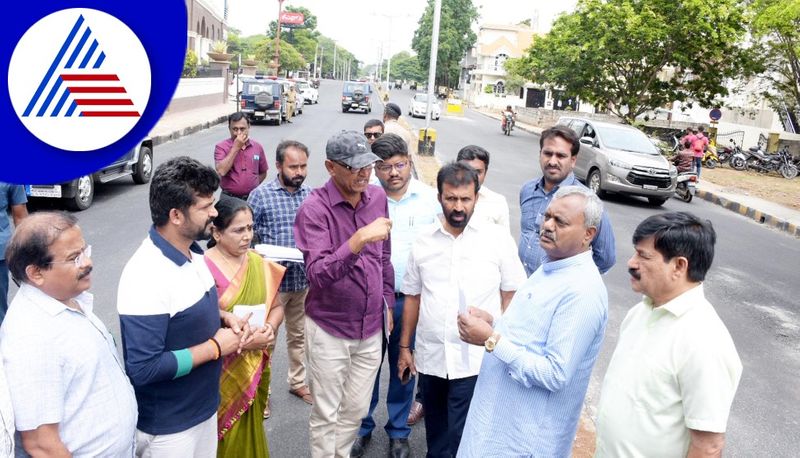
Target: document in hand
[259, 316]
[279, 253]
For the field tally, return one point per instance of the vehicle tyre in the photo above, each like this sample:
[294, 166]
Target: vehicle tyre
[143, 170]
[84, 194]
[279, 121]
[596, 183]
[789, 171]
[738, 163]
[659, 201]
[344, 110]
[711, 164]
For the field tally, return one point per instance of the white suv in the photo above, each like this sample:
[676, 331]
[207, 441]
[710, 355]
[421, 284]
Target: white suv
[310, 95]
[620, 158]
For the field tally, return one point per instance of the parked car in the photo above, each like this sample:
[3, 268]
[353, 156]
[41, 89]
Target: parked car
[355, 96]
[420, 103]
[78, 194]
[310, 94]
[263, 99]
[619, 158]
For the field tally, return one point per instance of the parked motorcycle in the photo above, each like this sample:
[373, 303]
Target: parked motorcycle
[508, 123]
[710, 158]
[686, 186]
[724, 153]
[786, 165]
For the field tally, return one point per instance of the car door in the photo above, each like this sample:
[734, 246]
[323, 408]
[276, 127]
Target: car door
[588, 153]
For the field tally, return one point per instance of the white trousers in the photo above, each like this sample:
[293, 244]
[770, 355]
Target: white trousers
[199, 441]
[341, 376]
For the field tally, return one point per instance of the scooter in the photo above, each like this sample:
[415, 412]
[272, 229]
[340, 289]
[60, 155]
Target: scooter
[686, 187]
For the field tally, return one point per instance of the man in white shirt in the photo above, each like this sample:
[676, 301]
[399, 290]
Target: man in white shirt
[491, 206]
[70, 394]
[453, 264]
[673, 376]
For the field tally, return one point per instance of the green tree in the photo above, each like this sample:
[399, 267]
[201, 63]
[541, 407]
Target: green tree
[290, 59]
[455, 37]
[190, 65]
[632, 56]
[405, 67]
[777, 27]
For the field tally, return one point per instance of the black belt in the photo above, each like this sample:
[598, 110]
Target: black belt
[243, 197]
[399, 295]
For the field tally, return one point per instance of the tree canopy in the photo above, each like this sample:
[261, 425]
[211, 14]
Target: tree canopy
[455, 37]
[631, 56]
[406, 67]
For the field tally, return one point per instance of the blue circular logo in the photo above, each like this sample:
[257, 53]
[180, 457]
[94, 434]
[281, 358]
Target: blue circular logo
[86, 83]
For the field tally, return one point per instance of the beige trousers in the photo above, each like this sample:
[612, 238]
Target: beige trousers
[341, 375]
[294, 315]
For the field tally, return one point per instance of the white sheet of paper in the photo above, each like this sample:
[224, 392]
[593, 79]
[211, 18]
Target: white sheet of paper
[279, 253]
[259, 316]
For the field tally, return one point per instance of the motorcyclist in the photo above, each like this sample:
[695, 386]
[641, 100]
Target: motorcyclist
[506, 113]
[684, 160]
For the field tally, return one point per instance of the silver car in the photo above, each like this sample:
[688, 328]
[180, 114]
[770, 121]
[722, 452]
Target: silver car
[620, 158]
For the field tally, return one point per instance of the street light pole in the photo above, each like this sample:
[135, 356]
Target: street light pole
[437, 14]
[278, 40]
[334, 59]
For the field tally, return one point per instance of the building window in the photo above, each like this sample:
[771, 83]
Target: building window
[499, 61]
[499, 88]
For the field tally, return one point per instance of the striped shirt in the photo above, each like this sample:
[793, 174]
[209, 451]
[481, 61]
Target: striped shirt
[274, 209]
[530, 390]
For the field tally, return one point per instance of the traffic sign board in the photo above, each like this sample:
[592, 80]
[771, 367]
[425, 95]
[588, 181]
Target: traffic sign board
[715, 114]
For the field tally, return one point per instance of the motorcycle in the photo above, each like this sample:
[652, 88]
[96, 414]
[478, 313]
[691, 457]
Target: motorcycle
[687, 186]
[724, 153]
[508, 123]
[710, 158]
[786, 166]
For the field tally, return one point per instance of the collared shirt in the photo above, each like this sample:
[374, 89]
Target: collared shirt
[533, 202]
[6, 416]
[166, 303]
[274, 210]
[416, 210]
[347, 292]
[675, 368]
[492, 207]
[530, 390]
[481, 262]
[10, 195]
[62, 367]
[393, 126]
[250, 162]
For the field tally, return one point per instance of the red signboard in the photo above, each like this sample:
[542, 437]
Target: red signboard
[290, 18]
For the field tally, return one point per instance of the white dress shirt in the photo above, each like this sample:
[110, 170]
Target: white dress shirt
[492, 207]
[481, 261]
[6, 416]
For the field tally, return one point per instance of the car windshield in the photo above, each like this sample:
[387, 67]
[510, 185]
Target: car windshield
[355, 87]
[421, 98]
[255, 88]
[627, 140]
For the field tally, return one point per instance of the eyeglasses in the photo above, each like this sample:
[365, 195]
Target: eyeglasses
[85, 254]
[387, 168]
[354, 170]
[373, 134]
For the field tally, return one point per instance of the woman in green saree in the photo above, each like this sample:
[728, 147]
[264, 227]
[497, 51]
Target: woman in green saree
[243, 278]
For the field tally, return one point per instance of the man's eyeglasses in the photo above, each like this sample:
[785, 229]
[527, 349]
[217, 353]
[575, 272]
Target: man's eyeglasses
[387, 168]
[85, 254]
[373, 134]
[354, 170]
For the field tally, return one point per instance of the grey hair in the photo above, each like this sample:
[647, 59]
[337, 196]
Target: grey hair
[592, 212]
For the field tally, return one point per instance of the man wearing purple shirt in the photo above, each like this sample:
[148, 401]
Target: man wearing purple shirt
[240, 160]
[343, 231]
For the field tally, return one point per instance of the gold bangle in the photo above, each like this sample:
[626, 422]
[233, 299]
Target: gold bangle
[217, 348]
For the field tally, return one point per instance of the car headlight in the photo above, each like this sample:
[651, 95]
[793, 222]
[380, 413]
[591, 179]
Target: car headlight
[673, 172]
[620, 164]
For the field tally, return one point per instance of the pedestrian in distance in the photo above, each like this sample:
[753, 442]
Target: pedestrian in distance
[458, 262]
[540, 353]
[244, 278]
[275, 204]
[699, 145]
[559, 148]
[343, 231]
[412, 208]
[672, 378]
[490, 206]
[239, 160]
[373, 129]
[174, 335]
[63, 369]
[291, 103]
[12, 201]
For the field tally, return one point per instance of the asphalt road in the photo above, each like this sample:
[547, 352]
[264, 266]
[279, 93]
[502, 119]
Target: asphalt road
[752, 283]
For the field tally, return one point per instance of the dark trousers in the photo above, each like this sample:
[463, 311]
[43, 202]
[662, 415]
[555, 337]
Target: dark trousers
[446, 404]
[399, 397]
[3, 289]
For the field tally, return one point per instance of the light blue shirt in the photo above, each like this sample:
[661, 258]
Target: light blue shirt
[533, 202]
[530, 389]
[417, 209]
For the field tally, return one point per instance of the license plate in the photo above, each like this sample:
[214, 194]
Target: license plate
[46, 191]
[260, 113]
[354, 105]
[649, 187]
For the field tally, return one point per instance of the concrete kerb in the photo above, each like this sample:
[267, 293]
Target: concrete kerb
[755, 214]
[182, 132]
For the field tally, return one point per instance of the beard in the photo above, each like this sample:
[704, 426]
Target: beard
[457, 223]
[294, 182]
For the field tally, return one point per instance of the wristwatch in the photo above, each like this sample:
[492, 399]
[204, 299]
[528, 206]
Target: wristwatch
[491, 342]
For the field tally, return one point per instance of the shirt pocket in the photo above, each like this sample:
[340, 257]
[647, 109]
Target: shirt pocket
[656, 389]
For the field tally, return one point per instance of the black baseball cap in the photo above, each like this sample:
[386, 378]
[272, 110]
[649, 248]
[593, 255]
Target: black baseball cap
[350, 147]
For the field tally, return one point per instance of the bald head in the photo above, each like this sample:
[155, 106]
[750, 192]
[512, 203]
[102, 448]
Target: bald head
[32, 239]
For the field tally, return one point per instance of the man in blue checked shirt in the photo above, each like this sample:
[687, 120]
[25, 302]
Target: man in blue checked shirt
[559, 147]
[275, 205]
[540, 352]
[412, 206]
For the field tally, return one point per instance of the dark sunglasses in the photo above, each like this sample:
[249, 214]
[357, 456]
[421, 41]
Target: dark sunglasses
[372, 134]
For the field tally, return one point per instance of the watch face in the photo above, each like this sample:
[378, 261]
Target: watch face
[490, 343]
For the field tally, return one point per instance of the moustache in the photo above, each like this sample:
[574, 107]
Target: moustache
[635, 274]
[550, 235]
[85, 273]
